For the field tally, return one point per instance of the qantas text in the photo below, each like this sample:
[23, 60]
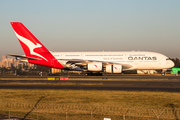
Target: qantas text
[142, 58]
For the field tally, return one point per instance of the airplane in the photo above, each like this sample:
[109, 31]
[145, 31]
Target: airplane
[93, 63]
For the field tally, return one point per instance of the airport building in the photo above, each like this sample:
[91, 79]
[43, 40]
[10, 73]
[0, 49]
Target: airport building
[54, 70]
[9, 62]
[146, 72]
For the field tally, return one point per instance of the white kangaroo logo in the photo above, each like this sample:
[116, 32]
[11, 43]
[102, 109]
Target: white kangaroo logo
[30, 45]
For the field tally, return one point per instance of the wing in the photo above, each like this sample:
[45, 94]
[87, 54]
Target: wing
[75, 63]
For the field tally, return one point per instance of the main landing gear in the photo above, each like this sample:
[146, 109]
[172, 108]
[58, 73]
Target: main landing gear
[94, 74]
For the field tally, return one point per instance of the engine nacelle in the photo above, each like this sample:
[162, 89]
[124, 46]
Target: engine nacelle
[115, 68]
[94, 66]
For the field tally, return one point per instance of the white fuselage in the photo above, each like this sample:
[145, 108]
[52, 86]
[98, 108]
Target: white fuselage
[140, 60]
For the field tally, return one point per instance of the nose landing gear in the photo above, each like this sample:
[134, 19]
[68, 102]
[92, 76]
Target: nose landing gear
[163, 72]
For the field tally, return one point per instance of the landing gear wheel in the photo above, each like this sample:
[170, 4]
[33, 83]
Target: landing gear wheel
[163, 74]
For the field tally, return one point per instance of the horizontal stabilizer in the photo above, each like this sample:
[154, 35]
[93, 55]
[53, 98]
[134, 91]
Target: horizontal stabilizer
[23, 57]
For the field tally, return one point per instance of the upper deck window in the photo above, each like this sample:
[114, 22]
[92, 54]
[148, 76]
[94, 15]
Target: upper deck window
[72, 55]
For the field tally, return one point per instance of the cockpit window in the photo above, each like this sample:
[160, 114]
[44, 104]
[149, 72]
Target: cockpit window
[167, 58]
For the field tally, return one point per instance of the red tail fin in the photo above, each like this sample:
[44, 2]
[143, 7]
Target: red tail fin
[33, 47]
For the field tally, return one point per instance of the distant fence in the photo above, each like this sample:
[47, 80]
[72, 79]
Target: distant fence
[96, 112]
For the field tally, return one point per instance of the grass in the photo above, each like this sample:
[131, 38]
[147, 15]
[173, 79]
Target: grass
[94, 79]
[118, 98]
[36, 83]
[88, 97]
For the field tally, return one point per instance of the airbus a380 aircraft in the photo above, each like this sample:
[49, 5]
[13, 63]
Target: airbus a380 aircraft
[95, 63]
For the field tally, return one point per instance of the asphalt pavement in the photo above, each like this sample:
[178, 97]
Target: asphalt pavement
[141, 83]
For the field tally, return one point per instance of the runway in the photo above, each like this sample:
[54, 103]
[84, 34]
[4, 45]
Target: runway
[161, 83]
[128, 76]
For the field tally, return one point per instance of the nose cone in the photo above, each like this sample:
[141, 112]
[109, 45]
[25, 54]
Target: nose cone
[171, 64]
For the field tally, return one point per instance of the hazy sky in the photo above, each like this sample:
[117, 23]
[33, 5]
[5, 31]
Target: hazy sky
[94, 25]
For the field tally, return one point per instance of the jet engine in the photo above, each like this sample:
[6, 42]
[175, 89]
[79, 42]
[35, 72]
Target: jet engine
[94, 66]
[115, 68]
